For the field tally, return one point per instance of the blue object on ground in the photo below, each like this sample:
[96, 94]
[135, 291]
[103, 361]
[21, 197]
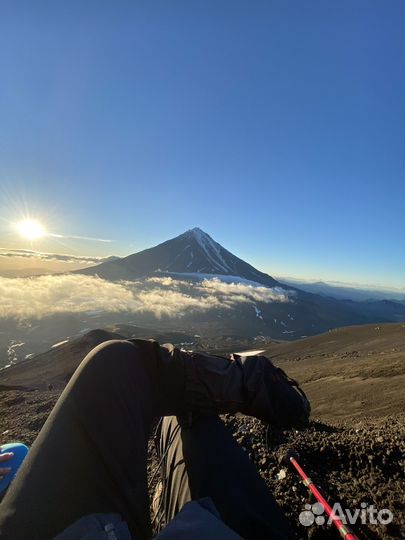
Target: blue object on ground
[20, 451]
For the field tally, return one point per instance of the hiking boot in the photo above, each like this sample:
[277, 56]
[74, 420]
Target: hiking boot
[272, 396]
[251, 385]
[206, 384]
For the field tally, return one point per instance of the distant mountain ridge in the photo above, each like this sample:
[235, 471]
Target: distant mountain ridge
[191, 252]
[344, 291]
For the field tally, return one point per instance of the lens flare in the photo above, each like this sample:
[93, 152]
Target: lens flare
[30, 229]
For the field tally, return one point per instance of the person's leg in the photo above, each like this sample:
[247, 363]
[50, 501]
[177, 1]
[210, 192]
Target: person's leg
[172, 491]
[91, 454]
[204, 460]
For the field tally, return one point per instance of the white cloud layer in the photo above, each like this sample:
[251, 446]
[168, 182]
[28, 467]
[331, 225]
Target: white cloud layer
[39, 255]
[62, 293]
[247, 291]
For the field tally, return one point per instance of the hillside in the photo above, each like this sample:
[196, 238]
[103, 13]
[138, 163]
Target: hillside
[56, 365]
[348, 372]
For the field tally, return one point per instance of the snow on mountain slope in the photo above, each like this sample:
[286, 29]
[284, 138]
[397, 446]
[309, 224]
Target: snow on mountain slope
[211, 249]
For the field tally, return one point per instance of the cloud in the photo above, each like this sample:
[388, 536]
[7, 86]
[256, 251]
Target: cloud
[43, 295]
[63, 293]
[167, 281]
[38, 255]
[247, 291]
[174, 303]
[90, 238]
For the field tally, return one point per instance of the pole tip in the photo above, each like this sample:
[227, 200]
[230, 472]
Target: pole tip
[290, 454]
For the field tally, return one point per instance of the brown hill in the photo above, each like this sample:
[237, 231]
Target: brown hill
[348, 373]
[55, 366]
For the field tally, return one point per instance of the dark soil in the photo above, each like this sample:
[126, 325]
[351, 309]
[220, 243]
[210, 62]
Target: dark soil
[353, 464]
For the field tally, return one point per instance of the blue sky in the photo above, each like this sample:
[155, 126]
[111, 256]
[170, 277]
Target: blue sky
[275, 126]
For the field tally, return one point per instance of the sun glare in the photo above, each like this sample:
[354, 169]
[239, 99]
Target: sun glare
[30, 229]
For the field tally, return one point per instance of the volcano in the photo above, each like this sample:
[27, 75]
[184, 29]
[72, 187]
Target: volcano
[195, 257]
[193, 252]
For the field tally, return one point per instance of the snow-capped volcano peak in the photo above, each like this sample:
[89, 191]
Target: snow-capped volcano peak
[193, 252]
[198, 234]
[211, 250]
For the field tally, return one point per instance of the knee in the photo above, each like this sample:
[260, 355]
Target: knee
[113, 348]
[111, 358]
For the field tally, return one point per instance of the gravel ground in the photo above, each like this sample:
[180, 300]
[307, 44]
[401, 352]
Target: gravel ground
[354, 464]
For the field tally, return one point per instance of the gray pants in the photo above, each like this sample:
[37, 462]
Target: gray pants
[91, 454]
[204, 460]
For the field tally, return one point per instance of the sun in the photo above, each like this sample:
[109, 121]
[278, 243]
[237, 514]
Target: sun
[30, 229]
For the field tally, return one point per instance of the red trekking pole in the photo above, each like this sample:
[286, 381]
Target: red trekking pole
[292, 458]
